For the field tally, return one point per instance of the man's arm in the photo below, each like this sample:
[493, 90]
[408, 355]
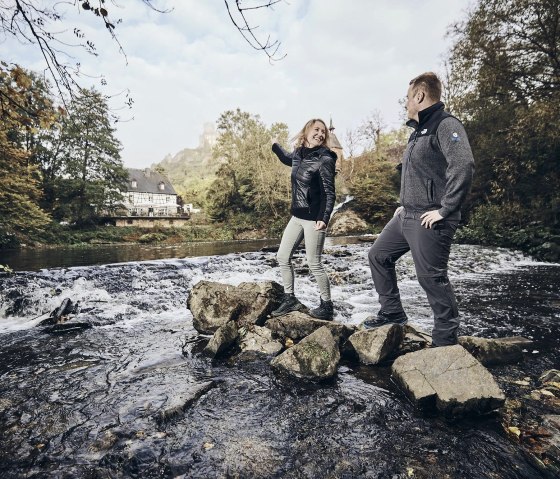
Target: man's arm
[455, 147]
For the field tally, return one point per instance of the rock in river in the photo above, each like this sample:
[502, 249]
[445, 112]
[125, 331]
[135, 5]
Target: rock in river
[258, 341]
[449, 379]
[491, 352]
[214, 304]
[372, 346]
[314, 357]
[223, 339]
[298, 325]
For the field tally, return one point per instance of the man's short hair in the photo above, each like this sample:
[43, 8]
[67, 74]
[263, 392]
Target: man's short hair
[430, 83]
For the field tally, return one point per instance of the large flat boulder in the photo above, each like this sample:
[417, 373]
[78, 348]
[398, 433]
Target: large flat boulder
[372, 346]
[314, 357]
[492, 352]
[298, 325]
[213, 304]
[448, 379]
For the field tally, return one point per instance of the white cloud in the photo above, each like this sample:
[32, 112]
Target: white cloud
[345, 57]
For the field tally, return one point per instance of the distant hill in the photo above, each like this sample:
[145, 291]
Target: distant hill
[192, 170]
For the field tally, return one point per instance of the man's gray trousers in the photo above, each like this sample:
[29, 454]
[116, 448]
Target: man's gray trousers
[430, 249]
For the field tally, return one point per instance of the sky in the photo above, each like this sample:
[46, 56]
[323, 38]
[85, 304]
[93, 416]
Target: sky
[344, 59]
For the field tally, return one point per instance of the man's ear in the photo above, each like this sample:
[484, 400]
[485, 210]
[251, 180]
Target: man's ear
[420, 96]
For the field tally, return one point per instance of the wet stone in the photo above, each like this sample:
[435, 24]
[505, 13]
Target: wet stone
[298, 325]
[314, 357]
[492, 352]
[415, 339]
[179, 403]
[213, 304]
[258, 341]
[222, 340]
[448, 379]
[372, 346]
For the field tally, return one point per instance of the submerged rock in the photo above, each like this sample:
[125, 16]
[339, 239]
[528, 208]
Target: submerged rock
[491, 352]
[224, 338]
[298, 325]
[372, 346]
[314, 357]
[177, 404]
[214, 304]
[448, 379]
[65, 328]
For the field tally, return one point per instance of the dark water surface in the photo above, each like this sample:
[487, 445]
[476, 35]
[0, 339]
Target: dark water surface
[36, 259]
[89, 404]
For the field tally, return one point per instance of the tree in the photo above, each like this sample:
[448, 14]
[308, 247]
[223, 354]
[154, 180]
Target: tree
[90, 174]
[375, 181]
[24, 109]
[44, 26]
[504, 80]
[251, 180]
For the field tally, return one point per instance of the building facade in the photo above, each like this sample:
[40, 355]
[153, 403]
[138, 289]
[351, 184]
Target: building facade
[150, 194]
[150, 201]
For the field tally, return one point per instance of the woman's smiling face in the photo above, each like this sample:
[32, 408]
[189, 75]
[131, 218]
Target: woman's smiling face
[316, 135]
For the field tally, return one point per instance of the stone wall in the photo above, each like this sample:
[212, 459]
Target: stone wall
[152, 222]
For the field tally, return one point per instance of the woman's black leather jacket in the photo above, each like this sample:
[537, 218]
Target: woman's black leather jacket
[313, 173]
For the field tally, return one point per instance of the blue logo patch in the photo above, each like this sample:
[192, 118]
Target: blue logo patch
[455, 136]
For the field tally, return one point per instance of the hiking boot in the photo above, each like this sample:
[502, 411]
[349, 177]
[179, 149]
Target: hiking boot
[324, 311]
[385, 318]
[289, 303]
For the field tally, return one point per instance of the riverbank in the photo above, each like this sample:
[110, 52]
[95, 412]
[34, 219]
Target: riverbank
[542, 243]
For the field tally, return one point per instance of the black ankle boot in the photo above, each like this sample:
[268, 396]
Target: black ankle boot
[324, 311]
[384, 318]
[289, 303]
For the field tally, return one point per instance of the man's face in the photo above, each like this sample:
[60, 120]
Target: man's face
[412, 105]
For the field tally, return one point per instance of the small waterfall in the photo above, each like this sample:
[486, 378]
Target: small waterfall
[347, 199]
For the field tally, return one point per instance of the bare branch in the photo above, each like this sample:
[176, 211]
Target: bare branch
[247, 31]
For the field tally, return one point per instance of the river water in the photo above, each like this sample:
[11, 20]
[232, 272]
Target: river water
[87, 404]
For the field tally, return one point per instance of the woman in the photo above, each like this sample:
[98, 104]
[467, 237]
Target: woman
[313, 169]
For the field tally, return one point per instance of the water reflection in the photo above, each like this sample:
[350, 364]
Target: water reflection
[36, 259]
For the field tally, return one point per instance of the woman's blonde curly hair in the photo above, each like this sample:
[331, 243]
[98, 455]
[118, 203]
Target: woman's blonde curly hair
[299, 139]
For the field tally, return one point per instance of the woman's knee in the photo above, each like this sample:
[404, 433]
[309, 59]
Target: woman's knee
[284, 258]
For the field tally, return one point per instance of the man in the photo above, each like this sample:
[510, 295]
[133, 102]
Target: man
[436, 175]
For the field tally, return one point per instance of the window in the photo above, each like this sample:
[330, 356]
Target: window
[129, 222]
[134, 184]
[161, 186]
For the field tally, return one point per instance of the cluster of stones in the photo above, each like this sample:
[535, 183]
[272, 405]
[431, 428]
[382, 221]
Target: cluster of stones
[452, 379]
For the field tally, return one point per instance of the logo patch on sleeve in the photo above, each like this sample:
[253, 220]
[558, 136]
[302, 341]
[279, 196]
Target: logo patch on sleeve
[455, 136]
[424, 131]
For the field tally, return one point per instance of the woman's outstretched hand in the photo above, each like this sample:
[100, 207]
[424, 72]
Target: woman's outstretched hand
[320, 225]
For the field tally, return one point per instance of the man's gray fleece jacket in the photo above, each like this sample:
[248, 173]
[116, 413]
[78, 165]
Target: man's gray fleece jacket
[438, 164]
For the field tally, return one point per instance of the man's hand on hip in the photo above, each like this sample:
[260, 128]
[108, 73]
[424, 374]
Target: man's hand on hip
[429, 218]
